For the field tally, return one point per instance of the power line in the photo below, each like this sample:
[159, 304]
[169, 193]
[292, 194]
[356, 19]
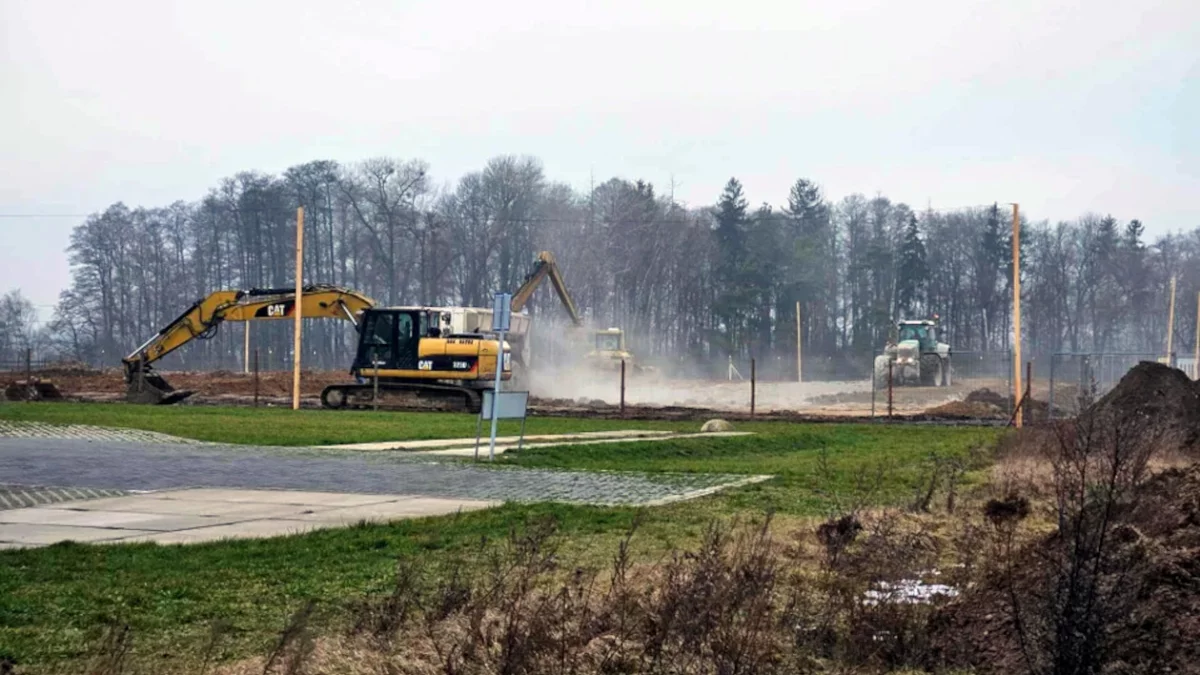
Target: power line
[44, 215]
[775, 215]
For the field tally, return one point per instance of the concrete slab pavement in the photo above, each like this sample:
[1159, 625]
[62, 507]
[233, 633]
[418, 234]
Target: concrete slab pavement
[206, 514]
[44, 534]
[465, 447]
[469, 450]
[445, 443]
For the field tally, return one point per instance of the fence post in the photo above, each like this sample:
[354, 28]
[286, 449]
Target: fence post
[1050, 402]
[28, 364]
[873, 389]
[256, 377]
[1028, 391]
[622, 387]
[375, 393]
[753, 383]
[890, 364]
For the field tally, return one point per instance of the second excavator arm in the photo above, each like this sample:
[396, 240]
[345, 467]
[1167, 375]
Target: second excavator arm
[544, 267]
[200, 321]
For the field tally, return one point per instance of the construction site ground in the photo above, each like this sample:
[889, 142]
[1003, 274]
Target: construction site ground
[147, 488]
[599, 395]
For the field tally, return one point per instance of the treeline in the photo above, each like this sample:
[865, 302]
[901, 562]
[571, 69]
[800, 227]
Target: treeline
[690, 284]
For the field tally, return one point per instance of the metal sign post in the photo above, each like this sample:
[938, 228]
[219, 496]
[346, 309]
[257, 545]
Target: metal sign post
[501, 319]
[509, 405]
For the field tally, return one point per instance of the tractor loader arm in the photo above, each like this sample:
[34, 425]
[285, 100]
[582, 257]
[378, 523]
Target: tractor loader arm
[544, 267]
[200, 321]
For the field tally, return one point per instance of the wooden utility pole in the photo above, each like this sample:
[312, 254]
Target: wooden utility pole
[1171, 323]
[1016, 284]
[799, 353]
[298, 308]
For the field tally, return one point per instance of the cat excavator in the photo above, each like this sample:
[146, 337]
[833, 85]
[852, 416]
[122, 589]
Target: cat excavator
[432, 354]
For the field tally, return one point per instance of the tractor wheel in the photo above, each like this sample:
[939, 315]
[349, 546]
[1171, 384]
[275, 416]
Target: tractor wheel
[931, 370]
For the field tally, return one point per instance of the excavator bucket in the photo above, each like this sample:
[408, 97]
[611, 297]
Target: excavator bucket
[152, 388]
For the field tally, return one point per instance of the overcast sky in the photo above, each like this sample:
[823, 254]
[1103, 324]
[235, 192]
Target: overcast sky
[1064, 107]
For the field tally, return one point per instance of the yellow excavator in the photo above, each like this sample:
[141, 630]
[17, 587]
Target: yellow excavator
[608, 345]
[422, 352]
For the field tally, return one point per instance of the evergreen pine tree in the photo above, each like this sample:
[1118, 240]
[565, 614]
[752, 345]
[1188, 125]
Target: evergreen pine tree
[913, 271]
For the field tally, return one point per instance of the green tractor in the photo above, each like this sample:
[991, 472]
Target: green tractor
[916, 357]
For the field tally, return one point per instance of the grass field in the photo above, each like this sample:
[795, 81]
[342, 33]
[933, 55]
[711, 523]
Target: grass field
[281, 426]
[55, 601]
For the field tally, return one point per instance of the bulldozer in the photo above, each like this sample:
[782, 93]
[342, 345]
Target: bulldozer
[916, 357]
[609, 344]
[440, 355]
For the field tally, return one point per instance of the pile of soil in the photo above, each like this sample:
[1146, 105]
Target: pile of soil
[987, 404]
[967, 410]
[1155, 536]
[1157, 631]
[1154, 396]
[33, 389]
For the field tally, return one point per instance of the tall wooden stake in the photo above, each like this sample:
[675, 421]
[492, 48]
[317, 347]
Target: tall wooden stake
[1016, 284]
[298, 308]
[799, 353]
[246, 350]
[1196, 353]
[1171, 323]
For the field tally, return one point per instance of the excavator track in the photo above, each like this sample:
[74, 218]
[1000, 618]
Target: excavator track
[423, 395]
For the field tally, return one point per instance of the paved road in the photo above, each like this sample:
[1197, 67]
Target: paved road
[113, 464]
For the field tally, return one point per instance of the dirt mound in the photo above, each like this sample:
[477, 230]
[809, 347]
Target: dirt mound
[967, 410]
[1158, 396]
[988, 397]
[33, 389]
[987, 404]
[1157, 544]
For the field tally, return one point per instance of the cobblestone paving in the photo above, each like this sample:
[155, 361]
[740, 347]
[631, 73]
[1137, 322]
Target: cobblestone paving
[125, 465]
[21, 496]
[85, 432]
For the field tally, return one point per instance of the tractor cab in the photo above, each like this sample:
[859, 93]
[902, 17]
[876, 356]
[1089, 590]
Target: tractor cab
[924, 333]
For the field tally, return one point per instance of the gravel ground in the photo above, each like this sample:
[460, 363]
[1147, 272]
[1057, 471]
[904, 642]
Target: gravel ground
[115, 464]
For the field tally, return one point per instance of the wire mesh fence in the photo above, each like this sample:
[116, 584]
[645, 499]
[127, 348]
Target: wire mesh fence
[1078, 378]
[1189, 366]
[20, 364]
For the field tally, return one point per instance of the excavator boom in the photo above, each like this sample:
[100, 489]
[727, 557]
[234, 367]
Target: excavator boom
[544, 267]
[201, 320]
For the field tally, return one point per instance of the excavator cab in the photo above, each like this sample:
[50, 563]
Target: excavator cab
[389, 338]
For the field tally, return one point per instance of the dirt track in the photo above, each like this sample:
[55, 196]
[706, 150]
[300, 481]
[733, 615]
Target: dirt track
[589, 394]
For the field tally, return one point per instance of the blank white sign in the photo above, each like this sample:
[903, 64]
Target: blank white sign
[509, 406]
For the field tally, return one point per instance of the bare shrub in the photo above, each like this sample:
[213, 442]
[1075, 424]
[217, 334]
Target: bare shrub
[294, 645]
[1068, 594]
